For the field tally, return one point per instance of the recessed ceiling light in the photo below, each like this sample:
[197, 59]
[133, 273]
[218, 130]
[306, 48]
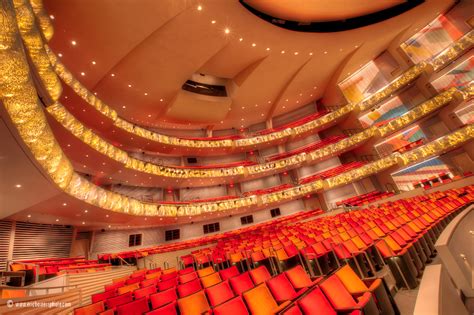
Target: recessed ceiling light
[161, 100]
[57, 220]
[241, 39]
[253, 44]
[310, 53]
[29, 215]
[284, 107]
[73, 42]
[129, 85]
[106, 215]
[18, 186]
[227, 31]
[109, 226]
[85, 211]
[268, 48]
[213, 21]
[356, 46]
[124, 106]
[296, 53]
[83, 222]
[199, 8]
[149, 115]
[51, 17]
[60, 55]
[93, 62]
[112, 74]
[282, 51]
[83, 73]
[64, 204]
[145, 93]
[262, 115]
[325, 52]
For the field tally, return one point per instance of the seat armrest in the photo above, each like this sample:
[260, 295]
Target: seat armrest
[372, 284]
[364, 299]
[281, 307]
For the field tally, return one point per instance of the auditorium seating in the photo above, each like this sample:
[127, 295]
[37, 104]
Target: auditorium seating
[53, 266]
[267, 190]
[365, 198]
[331, 172]
[295, 123]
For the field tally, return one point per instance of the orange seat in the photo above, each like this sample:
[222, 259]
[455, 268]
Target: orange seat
[353, 283]
[128, 288]
[153, 275]
[90, 309]
[193, 304]
[205, 272]
[169, 270]
[10, 294]
[299, 278]
[210, 280]
[261, 302]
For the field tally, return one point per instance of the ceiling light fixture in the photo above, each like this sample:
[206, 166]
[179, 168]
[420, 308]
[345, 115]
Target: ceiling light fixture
[253, 44]
[241, 39]
[73, 42]
[94, 63]
[124, 106]
[18, 186]
[29, 215]
[129, 85]
[282, 51]
[161, 100]
[60, 54]
[145, 93]
[310, 53]
[85, 211]
[296, 53]
[325, 52]
[57, 220]
[64, 204]
[213, 21]
[112, 74]
[83, 73]
[227, 31]
[268, 48]
[51, 17]
[199, 8]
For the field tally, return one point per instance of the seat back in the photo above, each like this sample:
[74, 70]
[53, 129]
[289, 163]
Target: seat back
[168, 276]
[103, 296]
[167, 284]
[259, 274]
[316, 303]
[205, 272]
[351, 280]
[241, 283]
[259, 300]
[168, 309]
[144, 292]
[128, 288]
[187, 277]
[162, 298]
[281, 288]
[189, 288]
[90, 309]
[229, 273]
[337, 294]
[298, 277]
[210, 280]
[193, 304]
[236, 306]
[219, 293]
[119, 299]
[137, 307]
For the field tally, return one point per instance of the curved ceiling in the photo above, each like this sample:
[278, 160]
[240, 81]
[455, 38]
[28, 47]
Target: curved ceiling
[137, 57]
[320, 10]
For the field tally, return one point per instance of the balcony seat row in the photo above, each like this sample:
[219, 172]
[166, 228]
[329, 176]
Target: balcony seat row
[365, 198]
[331, 172]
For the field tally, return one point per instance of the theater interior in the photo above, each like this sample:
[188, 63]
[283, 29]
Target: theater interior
[237, 157]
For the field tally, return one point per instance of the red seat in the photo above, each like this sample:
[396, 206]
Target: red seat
[340, 298]
[293, 310]
[169, 276]
[282, 290]
[187, 277]
[229, 273]
[241, 283]
[299, 278]
[219, 293]
[149, 282]
[119, 300]
[168, 309]
[144, 292]
[236, 306]
[137, 307]
[103, 296]
[186, 270]
[260, 274]
[189, 288]
[168, 284]
[162, 298]
[316, 303]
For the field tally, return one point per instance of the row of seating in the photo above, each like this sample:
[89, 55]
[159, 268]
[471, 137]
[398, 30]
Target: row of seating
[367, 239]
[295, 123]
[331, 172]
[51, 266]
[295, 217]
[252, 292]
[365, 199]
